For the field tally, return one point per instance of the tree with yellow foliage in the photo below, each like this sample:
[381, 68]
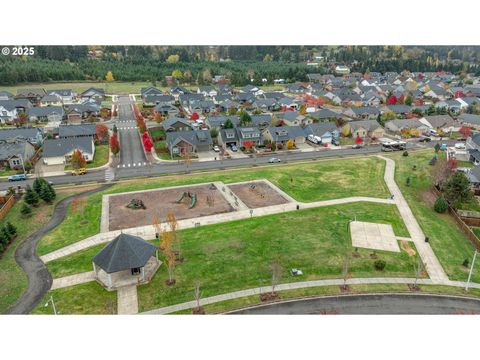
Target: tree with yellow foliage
[346, 131]
[303, 109]
[290, 144]
[109, 77]
[172, 59]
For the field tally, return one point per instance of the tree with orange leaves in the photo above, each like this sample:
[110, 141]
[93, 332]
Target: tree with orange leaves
[166, 245]
[78, 161]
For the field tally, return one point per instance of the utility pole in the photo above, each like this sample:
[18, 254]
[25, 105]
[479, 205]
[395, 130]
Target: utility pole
[471, 270]
[23, 165]
[53, 304]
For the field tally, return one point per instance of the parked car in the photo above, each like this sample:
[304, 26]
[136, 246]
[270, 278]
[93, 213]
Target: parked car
[335, 142]
[81, 171]
[234, 148]
[17, 177]
[357, 146]
[314, 139]
[425, 139]
[460, 146]
[274, 160]
[216, 148]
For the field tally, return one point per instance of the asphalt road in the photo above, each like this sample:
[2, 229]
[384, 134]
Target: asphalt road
[384, 304]
[179, 167]
[39, 279]
[131, 150]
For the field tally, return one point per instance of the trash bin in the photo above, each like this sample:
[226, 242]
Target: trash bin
[426, 239]
[298, 207]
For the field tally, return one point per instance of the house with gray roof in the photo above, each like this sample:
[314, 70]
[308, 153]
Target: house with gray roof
[228, 137]
[396, 126]
[444, 123]
[470, 120]
[74, 131]
[13, 152]
[282, 134]
[293, 118]
[217, 122]
[59, 151]
[5, 95]
[327, 131]
[33, 95]
[33, 135]
[45, 113]
[66, 95]
[325, 114]
[166, 108]
[365, 128]
[250, 133]
[362, 112]
[180, 142]
[93, 93]
[174, 123]
[155, 99]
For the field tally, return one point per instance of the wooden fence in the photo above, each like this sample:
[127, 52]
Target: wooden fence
[463, 226]
[7, 206]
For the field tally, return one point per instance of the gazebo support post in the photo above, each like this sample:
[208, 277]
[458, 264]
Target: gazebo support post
[95, 269]
[109, 280]
[143, 273]
[156, 254]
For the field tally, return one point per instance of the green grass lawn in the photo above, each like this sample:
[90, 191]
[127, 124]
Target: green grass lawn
[157, 133]
[89, 298]
[448, 242]
[236, 255]
[99, 159]
[8, 172]
[12, 279]
[311, 182]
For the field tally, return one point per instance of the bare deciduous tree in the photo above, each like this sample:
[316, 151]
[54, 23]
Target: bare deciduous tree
[276, 270]
[197, 293]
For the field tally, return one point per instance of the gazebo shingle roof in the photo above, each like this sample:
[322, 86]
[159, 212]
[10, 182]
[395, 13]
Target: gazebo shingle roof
[123, 253]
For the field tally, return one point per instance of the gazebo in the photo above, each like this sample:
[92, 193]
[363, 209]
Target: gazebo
[126, 260]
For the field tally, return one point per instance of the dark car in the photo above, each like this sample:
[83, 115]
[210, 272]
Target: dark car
[335, 142]
[357, 146]
[425, 139]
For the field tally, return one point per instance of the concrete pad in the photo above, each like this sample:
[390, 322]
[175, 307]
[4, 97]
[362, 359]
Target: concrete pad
[127, 301]
[373, 236]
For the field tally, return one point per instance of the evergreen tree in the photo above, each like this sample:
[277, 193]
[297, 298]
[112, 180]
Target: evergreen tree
[37, 184]
[12, 230]
[31, 197]
[25, 210]
[47, 193]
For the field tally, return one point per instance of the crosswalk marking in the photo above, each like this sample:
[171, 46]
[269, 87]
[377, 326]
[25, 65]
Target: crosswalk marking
[109, 174]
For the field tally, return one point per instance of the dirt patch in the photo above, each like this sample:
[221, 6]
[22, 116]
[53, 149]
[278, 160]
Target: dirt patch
[158, 203]
[405, 245]
[429, 197]
[267, 297]
[257, 194]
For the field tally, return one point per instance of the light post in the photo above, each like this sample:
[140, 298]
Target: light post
[471, 270]
[53, 304]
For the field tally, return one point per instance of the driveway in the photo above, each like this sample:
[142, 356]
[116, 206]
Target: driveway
[46, 170]
[208, 155]
[391, 304]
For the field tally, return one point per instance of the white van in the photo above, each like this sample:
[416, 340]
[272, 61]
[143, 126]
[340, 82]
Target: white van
[314, 139]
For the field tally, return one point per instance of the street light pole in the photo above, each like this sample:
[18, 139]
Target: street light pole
[471, 270]
[23, 165]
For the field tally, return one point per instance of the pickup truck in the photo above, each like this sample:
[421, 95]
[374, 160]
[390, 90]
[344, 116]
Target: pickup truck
[17, 177]
[80, 171]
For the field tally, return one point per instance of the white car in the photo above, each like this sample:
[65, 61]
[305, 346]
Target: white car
[274, 160]
[460, 146]
[314, 139]
[216, 148]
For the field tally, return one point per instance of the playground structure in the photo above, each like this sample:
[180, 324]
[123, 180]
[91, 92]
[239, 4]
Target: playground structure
[257, 194]
[257, 191]
[191, 196]
[136, 204]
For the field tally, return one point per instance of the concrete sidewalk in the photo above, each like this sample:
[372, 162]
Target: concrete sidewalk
[71, 280]
[127, 300]
[433, 266]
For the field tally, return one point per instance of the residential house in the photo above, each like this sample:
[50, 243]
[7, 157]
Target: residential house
[217, 122]
[252, 134]
[469, 120]
[364, 129]
[282, 134]
[59, 151]
[327, 131]
[181, 142]
[75, 131]
[399, 110]
[175, 124]
[176, 91]
[8, 112]
[202, 107]
[444, 123]
[166, 109]
[245, 98]
[31, 134]
[398, 125]
[21, 105]
[292, 118]
[15, 151]
[45, 113]
[155, 99]
[67, 96]
[32, 95]
[325, 114]
[261, 121]
[363, 112]
[51, 100]
[5, 95]
[252, 89]
[289, 103]
[266, 105]
[228, 137]
[93, 93]
[207, 91]
[150, 91]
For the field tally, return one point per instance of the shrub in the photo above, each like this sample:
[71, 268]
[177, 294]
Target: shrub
[380, 265]
[25, 210]
[465, 262]
[440, 205]
[405, 153]
[11, 229]
[31, 197]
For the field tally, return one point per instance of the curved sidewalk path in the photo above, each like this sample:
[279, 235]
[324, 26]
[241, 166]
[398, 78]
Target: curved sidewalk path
[432, 265]
[39, 279]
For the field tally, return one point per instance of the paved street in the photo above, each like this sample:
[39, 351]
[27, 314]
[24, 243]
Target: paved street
[179, 167]
[131, 153]
[371, 305]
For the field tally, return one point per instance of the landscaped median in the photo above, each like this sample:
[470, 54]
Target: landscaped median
[322, 180]
[236, 255]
